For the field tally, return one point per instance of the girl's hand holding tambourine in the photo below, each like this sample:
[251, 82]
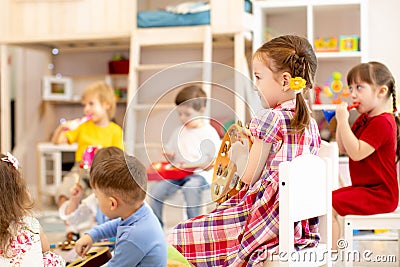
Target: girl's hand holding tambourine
[231, 162]
[239, 154]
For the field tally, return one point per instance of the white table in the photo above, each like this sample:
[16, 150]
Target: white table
[50, 167]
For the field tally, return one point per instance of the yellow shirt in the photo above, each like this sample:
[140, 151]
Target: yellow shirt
[89, 134]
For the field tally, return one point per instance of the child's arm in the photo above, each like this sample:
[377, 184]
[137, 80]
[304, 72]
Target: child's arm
[257, 159]
[83, 245]
[75, 198]
[338, 138]
[356, 149]
[44, 241]
[58, 136]
[121, 258]
[206, 163]
[249, 164]
[85, 211]
[208, 150]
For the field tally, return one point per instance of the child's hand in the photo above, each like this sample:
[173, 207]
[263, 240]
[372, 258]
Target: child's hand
[83, 245]
[239, 151]
[76, 193]
[71, 124]
[342, 114]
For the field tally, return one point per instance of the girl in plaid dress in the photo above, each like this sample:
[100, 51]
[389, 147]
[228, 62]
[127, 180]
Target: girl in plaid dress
[243, 231]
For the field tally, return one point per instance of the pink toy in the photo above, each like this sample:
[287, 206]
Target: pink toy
[87, 157]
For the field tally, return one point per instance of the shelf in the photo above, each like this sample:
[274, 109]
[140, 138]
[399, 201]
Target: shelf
[139, 107]
[76, 102]
[313, 19]
[338, 55]
[324, 107]
[285, 5]
[94, 42]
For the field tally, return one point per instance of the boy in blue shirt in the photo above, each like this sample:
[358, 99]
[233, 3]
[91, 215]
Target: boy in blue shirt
[120, 184]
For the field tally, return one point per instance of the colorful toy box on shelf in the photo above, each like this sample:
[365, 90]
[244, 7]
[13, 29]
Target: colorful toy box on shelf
[326, 44]
[349, 43]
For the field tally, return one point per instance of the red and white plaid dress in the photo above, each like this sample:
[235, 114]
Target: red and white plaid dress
[243, 230]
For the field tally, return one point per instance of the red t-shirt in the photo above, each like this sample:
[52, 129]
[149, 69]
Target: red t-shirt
[374, 179]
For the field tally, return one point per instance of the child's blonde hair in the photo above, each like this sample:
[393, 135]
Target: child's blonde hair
[293, 54]
[121, 175]
[105, 94]
[15, 202]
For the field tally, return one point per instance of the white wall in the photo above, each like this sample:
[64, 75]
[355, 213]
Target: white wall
[384, 35]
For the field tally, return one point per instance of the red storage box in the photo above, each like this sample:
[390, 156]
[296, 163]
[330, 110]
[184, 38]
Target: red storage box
[118, 66]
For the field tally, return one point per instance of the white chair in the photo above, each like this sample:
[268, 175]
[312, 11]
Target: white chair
[357, 222]
[305, 186]
[331, 150]
[368, 222]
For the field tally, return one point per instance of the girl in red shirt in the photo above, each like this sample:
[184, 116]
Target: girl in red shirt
[372, 145]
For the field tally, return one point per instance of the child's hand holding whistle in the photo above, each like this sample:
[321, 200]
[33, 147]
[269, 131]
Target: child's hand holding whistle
[342, 110]
[73, 124]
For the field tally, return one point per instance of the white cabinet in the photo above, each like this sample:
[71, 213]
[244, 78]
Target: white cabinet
[50, 164]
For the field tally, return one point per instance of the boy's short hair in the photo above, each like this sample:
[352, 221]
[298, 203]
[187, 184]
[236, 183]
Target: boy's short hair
[193, 96]
[105, 153]
[105, 94]
[123, 176]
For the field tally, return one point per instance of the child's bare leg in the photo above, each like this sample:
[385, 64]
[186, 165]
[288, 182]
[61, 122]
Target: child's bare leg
[335, 229]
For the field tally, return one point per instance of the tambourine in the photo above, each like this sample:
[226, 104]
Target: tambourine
[226, 181]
